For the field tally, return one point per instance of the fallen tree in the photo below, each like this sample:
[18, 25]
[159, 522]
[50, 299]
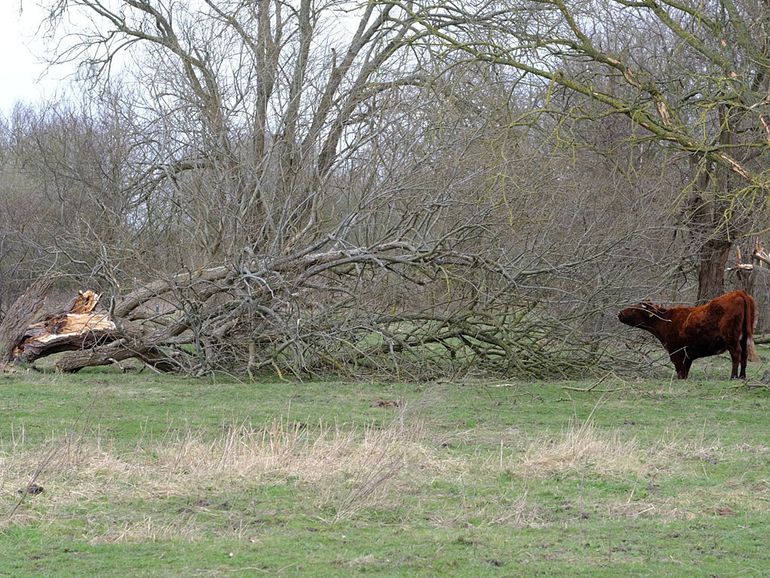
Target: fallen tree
[77, 327]
[20, 315]
[390, 306]
[341, 210]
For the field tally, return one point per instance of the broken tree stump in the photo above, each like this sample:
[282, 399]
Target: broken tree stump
[25, 310]
[78, 327]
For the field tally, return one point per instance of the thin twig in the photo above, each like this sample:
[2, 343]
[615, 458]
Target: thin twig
[593, 386]
[40, 468]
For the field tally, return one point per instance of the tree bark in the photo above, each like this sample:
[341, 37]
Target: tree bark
[114, 353]
[711, 275]
[20, 315]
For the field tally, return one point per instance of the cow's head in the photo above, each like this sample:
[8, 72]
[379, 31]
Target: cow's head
[642, 314]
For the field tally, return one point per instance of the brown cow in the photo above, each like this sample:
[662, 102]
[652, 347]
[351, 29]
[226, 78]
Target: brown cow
[687, 333]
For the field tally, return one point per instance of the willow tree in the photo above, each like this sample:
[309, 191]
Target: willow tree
[693, 76]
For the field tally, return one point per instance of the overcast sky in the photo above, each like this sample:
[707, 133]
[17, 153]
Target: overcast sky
[20, 65]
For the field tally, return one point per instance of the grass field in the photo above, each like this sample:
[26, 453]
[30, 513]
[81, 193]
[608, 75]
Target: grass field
[149, 475]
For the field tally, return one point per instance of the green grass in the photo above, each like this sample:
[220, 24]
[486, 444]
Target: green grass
[152, 475]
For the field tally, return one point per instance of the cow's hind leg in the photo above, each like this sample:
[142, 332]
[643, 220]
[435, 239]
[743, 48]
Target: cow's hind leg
[739, 358]
[744, 360]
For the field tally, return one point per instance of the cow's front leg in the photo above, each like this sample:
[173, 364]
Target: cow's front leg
[682, 363]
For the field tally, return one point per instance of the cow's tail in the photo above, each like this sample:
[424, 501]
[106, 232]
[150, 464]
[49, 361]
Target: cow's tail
[749, 320]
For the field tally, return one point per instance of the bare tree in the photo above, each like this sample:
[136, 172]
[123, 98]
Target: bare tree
[259, 146]
[690, 75]
[304, 188]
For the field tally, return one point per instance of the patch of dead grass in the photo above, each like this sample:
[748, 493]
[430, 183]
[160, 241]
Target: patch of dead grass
[516, 512]
[149, 529]
[581, 447]
[346, 470]
[585, 448]
[727, 499]
[282, 449]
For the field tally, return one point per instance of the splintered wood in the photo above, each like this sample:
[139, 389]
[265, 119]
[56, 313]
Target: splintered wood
[760, 259]
[77, 328]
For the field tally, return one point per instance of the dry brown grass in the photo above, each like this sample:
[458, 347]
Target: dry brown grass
[282, 449]
[346, 469]
[726, 499]
[582, 447]
[511, 512]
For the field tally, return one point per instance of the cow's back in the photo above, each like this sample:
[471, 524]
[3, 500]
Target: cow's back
[711, 328]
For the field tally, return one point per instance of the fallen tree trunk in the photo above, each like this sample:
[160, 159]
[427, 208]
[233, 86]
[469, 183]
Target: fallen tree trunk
[387, 306]
[24, 311]
[79, 327]
[64, 332]
[116, 352]
[762, 339]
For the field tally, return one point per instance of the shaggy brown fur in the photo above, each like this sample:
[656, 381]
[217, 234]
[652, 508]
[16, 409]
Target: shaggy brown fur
[687, 333]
